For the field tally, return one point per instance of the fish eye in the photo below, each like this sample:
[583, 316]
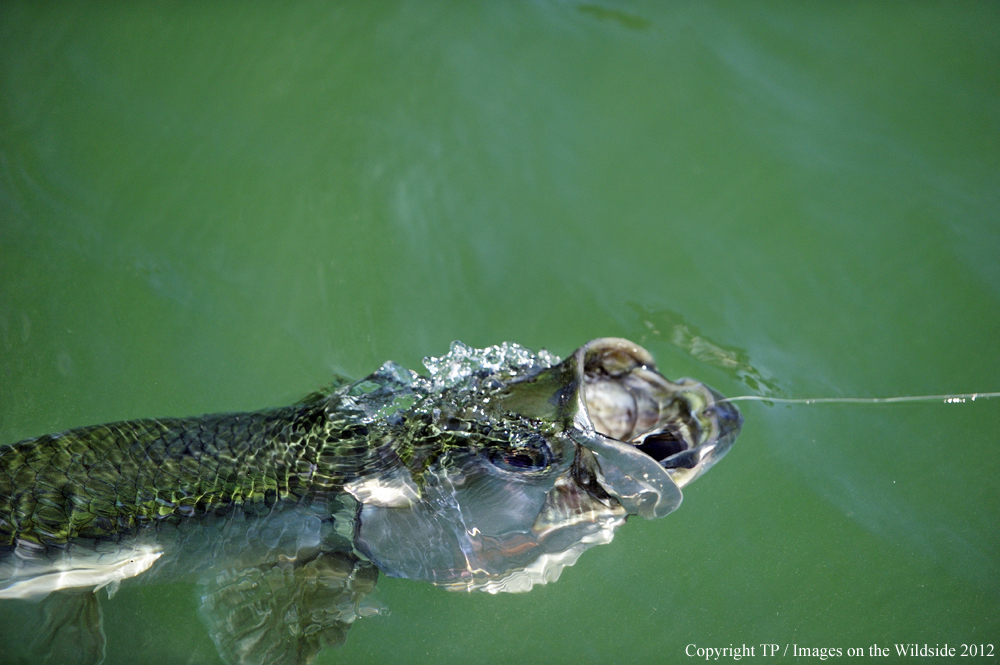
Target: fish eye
[520, 459]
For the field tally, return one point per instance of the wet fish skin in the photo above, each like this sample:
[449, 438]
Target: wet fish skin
[108, 481]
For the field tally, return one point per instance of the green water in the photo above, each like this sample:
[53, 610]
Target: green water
[210, 207]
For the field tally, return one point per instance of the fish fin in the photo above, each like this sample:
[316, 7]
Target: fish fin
[285, 612]
[69, 630]
[111, 587]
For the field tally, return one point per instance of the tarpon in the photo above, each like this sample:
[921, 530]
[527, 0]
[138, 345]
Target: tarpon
[492, 473]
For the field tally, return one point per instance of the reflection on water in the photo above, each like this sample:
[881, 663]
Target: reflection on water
[670, 327]
[622, 18]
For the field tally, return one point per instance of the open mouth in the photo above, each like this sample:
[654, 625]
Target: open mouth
[685, 426]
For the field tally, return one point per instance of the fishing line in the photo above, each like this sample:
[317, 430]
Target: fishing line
[960, 398]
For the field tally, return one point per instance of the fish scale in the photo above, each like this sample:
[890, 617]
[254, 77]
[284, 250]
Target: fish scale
[131, 473]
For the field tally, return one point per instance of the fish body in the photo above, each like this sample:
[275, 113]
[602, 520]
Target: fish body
[493, 473]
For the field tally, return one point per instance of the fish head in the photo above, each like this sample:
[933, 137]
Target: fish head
[499, 474]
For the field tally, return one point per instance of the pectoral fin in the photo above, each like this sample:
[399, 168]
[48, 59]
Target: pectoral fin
[285, 612]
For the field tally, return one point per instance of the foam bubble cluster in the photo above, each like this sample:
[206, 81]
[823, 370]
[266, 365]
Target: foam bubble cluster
[462, 363]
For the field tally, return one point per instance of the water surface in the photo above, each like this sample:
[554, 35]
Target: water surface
[210, 208]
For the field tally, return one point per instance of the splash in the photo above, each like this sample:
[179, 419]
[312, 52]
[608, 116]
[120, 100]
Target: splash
[393, 388]
[464, 364]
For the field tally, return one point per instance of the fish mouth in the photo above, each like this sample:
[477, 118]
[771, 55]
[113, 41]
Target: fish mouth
[650, 436]
[685, 426]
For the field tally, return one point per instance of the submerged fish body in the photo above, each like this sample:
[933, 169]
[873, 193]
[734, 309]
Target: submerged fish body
[493, 473]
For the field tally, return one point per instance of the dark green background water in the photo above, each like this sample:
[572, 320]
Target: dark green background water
[209, 207]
